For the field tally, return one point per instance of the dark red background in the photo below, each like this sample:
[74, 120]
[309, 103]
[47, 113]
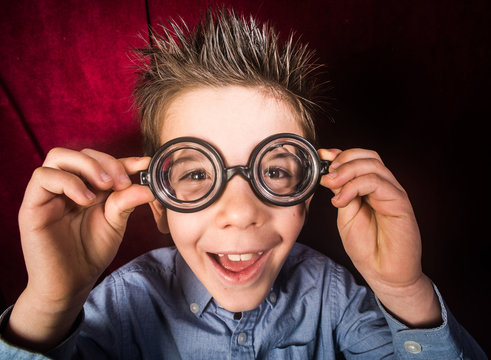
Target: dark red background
[410, 79]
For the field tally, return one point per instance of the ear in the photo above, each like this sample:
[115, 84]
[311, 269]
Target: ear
[160, 216]
[307, 207]
[307, 203]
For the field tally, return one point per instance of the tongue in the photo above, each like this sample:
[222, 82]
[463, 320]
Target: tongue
[236, 266]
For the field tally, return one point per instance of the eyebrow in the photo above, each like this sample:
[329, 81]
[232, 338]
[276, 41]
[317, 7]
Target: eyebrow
[187, 158]
[285, 154]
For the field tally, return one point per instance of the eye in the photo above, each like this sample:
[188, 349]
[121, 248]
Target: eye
[195, 175]
[276, 173]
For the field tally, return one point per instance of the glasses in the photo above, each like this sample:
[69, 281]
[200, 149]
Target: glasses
[188, 174]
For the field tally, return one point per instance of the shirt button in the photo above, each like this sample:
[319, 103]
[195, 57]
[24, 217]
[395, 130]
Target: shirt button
[412, 347]
[272, 297]
[194, 308]
[242, 338]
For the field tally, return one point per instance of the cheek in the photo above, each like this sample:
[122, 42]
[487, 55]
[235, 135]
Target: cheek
[289, 223]
[294, 221]
[185, 229]
[289, 226]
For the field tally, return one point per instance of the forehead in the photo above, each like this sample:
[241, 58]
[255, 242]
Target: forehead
[232, 118]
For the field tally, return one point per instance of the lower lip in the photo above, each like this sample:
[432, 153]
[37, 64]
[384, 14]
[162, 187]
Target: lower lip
[244, 276]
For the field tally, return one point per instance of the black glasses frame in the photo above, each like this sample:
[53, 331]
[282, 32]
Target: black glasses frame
[223, 174]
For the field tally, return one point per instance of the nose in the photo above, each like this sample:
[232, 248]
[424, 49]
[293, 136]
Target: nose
[238, 206]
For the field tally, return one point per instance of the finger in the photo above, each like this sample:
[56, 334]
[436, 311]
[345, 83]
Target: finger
[47, 183]
[133, 165]
[382, 195]
[370, 189]
[111, 166]
[120, 204]
[79, 164]
[352, 154]
[355, 168]
[328, 154]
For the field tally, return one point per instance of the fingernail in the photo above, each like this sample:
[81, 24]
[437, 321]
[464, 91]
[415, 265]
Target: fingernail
[332, 174]
[89, 195]
[334, 165]
[124, 179]
[105, 177]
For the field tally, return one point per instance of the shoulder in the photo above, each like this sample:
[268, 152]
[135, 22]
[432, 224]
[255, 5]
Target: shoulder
[306, 267]
[149, 276]
[153, 267]
[309, 262]
[158, 260]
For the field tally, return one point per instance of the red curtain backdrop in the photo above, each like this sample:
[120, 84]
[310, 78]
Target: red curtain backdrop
[409, 79]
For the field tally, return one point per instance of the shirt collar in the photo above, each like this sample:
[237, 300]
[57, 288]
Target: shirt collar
[194, 291]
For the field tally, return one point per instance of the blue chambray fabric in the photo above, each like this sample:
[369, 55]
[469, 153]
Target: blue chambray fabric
[155, 308]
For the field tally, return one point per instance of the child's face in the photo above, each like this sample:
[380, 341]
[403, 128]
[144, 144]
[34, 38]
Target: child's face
[238, 225]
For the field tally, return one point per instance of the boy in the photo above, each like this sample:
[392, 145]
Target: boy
[236, 285]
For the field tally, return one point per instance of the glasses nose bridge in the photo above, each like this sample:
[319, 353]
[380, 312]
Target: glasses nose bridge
[244, 171]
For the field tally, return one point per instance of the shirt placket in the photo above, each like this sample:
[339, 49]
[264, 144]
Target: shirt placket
[242, 337]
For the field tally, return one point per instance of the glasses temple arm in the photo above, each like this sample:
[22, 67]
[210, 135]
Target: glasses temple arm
[145, 177]
[325, 166]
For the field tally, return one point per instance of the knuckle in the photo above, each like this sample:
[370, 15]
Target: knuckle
[73, 180]
[374, 154]
[38, 174]
[118, 165]
[377, 163]
[119, 207]
[116, 203]
[103, 159]
[375, 178]
[117, 168]
[89, 155]
[402, 192]
[87, 151]
[53, 153]
[365, 153]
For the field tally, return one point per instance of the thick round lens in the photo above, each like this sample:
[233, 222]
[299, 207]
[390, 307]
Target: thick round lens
[187, 174]
[284, 169]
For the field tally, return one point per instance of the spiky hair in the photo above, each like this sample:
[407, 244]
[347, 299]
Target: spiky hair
[223, 49]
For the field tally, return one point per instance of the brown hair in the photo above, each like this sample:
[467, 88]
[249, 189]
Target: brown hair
[221, 50]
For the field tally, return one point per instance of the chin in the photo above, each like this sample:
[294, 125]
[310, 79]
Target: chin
[240, 302]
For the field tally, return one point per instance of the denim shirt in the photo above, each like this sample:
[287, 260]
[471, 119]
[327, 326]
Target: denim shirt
[155, 308]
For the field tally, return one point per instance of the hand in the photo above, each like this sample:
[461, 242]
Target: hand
[72, 221]
[379, 230]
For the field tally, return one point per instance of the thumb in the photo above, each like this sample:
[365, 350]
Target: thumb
[120, 205]
[329, 154]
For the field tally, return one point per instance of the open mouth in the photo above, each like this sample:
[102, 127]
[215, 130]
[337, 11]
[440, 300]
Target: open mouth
[239, 268]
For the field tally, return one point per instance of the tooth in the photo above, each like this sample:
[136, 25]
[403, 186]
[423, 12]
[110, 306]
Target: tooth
[260, 253]
[245, 257]
[233, 257]
[240, 257]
